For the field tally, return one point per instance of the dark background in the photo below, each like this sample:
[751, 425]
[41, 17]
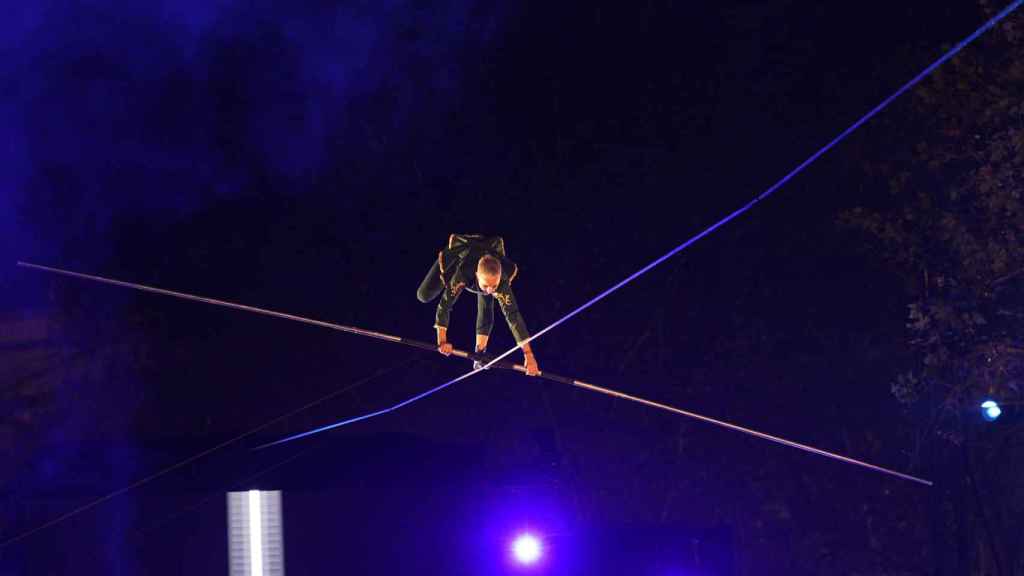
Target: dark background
[313, 159]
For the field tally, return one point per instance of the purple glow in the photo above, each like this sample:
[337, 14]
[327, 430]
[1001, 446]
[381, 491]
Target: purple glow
[526, 548]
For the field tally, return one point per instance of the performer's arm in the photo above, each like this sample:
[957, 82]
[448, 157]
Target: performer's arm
[484, 320]
[444, 307]
[443, 345]
[529, 360]
[509, 307]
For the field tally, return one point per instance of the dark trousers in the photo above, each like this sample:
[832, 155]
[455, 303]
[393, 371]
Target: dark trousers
[432, 286]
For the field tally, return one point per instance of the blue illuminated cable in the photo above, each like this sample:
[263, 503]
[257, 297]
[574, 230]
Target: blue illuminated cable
[951, 53]
[916, 79]
[372, 414]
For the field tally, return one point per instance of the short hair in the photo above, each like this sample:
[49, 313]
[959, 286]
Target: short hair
[489, 265]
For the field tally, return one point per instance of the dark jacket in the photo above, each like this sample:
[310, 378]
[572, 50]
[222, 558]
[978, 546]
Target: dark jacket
[457, 264]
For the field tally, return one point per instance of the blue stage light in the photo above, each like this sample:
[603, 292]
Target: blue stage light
[990, 410]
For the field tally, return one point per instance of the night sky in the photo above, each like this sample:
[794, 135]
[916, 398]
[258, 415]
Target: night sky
[313, 158]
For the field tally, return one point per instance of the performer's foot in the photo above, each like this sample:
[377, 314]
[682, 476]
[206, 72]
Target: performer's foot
[478, 365]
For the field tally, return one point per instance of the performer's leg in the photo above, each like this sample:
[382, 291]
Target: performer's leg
[431, 286]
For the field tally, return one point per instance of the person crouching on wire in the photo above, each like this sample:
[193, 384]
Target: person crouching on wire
[477, 264]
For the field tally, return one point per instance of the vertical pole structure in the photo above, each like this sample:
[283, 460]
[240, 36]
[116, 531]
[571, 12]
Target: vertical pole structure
[255, 534]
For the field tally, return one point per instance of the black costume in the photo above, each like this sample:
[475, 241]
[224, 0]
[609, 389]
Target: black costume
[455, 271]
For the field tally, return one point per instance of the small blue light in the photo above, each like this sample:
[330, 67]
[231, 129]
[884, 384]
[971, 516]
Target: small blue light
[990, 410]
[527, 549]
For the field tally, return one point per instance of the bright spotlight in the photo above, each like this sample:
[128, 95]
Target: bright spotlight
[990, 410]
[527, 549]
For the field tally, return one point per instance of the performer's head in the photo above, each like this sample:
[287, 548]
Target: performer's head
[488, 273]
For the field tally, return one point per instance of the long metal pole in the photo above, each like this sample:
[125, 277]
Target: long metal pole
[481, 358]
